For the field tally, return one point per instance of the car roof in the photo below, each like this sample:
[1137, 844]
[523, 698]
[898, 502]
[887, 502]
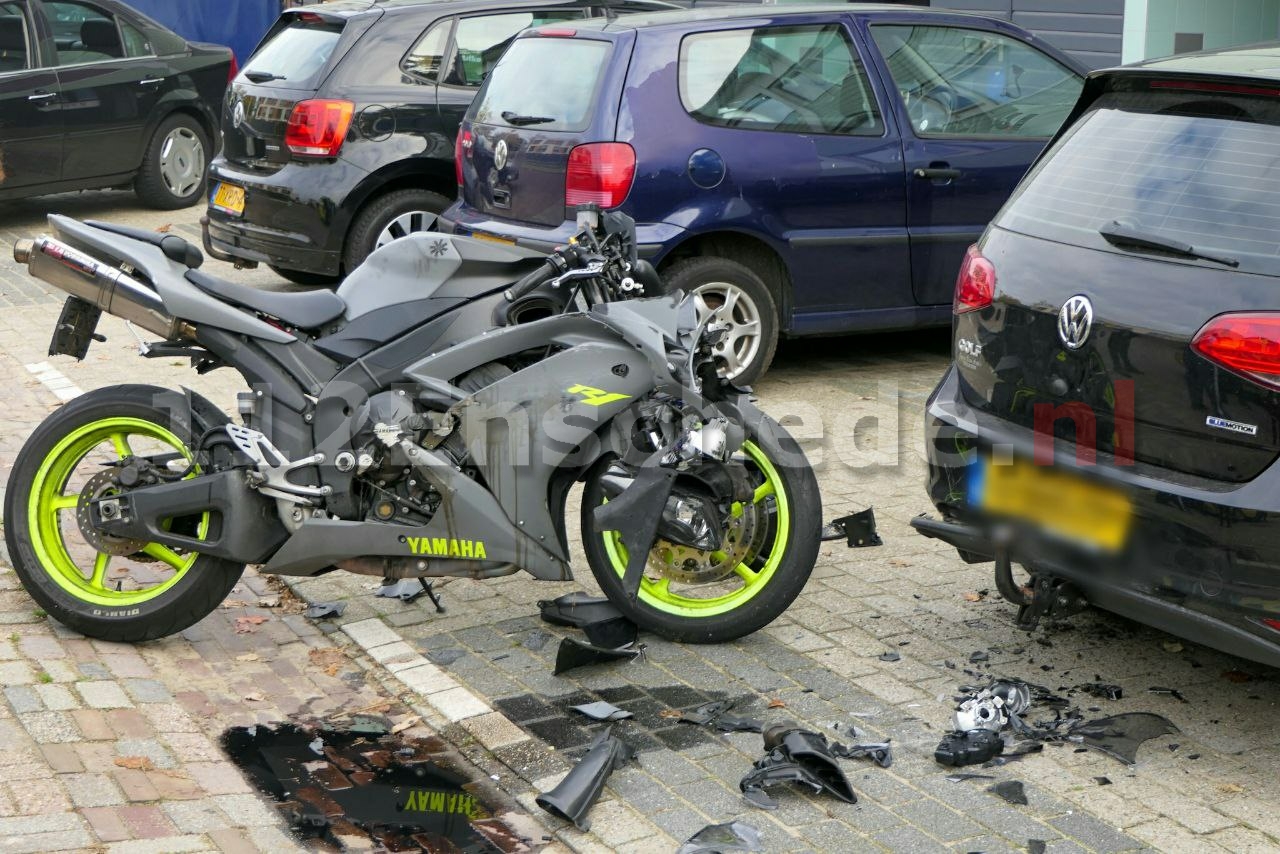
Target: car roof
[644, 20]
[352, 8]
[1257, 62]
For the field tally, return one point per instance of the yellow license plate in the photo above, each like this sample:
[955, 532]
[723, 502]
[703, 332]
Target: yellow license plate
[493, 238]
[228, 198]
[1059, 502]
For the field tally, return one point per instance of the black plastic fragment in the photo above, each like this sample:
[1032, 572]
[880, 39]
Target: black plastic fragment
[573, 798]
[574, 653]
[1036, 846]
[707, 712]
[717, 838]
[1102, 689]
[1120, 736]
[880, 753]
[958, 749]
[1102, 781]
[611, 634]
[577, 609]
[405, 589]
[979, 655]
[325, 610]
[858, 529]
[738, 723]
[794, 755]
[1010, 790]
[1172, 692]
[960, 778]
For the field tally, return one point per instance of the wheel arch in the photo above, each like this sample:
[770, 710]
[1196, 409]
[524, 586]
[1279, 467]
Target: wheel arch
[757, 253]
[412, 174]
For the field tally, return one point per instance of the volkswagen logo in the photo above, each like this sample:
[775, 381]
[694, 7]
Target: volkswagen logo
[237, 115]
[1075, 320]
[500, 154]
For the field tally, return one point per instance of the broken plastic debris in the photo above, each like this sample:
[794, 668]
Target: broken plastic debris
[717, 838]
[604, 625]
[573, 798]
[406, 590]
[891, 655]
[1102, 690]
[960, 778]
[1172, 692]
[858, 529]
[1036, 846]
[1102, 781]
[324, 610]
[1121, 735]
[979, 655]
[602, 711]
[574, 653]
[1010, 790]
[974, 747]
[880, 753]
[794, 755]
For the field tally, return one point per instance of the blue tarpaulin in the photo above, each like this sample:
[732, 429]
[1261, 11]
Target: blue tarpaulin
[238, 24]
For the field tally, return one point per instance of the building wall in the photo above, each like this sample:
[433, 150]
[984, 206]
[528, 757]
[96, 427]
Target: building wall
[1220, 23]
[1089, 30]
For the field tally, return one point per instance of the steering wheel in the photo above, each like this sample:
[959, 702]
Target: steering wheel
[930, 110]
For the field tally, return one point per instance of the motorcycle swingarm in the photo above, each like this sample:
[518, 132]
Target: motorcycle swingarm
[244, 527]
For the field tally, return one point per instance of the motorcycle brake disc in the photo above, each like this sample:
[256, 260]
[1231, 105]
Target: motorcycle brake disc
[102, 485]
[743, 539]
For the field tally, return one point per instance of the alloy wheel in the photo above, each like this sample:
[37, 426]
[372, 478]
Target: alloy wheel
[732, 306]
[409, 222]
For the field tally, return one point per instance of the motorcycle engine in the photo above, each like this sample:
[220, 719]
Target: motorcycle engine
[390, 491]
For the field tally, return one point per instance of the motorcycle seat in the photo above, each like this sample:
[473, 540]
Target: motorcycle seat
[300, 309]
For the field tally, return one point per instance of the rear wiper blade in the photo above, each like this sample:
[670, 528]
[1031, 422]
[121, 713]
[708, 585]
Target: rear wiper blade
[519, 120]
[263, 76]
[1122, 234]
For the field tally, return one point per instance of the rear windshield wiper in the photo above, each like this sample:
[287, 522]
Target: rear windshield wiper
[1123, 234]
[263, 76]
[520, 121]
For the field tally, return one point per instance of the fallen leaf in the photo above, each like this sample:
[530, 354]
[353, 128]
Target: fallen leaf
[248, 656]
[137, 763]
[254, 697]
[1237, 676]
[244, 625]
[775, 703]
[405, 724]
[1172, 646]
[900, 563]
[164, 229]
[1230, 788]
[235, 603]
[670, 713]
[972, 596]
[329, 659]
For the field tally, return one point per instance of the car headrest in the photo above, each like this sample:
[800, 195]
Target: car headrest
[100, 36]
[12, 34]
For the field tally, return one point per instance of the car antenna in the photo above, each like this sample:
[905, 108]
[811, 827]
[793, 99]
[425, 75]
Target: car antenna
[610, 13]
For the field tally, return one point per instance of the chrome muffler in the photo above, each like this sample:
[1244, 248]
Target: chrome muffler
[97, 283]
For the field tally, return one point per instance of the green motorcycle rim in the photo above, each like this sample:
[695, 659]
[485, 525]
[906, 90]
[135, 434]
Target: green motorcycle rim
[47, 502]
[658, 593]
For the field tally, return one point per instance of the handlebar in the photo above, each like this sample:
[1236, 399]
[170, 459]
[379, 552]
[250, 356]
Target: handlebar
[531, 281]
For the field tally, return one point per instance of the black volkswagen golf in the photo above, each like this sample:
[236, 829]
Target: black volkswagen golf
[1111, 421]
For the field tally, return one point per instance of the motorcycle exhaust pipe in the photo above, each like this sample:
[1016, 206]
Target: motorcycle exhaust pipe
[96, 283]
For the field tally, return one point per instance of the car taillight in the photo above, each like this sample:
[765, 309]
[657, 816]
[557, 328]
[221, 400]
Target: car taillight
[461, 148]
[318, 128]
[976, 284]
[1246, 342]
[233, 70]
[600, 173]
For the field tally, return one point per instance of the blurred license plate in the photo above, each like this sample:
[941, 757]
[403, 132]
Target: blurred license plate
[228, 198]
[493, 238]
[1059, 502]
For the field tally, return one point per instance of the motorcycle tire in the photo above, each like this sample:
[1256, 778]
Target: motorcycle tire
[49, 549]
[788, 500]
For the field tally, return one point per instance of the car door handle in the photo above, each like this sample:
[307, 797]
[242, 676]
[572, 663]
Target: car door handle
[151, 82]
[42, 96]
[936, 174]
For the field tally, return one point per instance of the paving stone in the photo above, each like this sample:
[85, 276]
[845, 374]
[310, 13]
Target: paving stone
[370, 633]
[50, 727]
[247, 811]
[93, 790]
[195, 816]
[148, 748]
[147, 691]
[103, 695]
[57, 698]
[1094, 834]
[23, 699]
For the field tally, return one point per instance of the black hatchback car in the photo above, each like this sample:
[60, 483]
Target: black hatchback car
[338, 135]
[1112, 418]
[94, 94]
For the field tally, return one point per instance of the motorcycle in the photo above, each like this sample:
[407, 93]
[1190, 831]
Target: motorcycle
[426, 420]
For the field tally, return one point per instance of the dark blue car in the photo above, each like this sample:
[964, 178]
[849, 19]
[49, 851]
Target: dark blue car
[805, 169]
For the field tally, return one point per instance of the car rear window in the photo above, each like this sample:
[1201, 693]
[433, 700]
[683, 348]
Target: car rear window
[1200, 168]
[546, 84]
[296, 51]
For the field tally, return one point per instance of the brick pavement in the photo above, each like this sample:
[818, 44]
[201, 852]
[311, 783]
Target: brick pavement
[1208, 788]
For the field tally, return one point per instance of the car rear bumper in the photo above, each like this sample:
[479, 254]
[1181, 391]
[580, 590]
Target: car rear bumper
[652, 239]
[1202, 558]
[292, 218]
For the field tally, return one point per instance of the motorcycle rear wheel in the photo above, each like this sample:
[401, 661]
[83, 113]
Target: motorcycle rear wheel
[80, 579]
[765, 585]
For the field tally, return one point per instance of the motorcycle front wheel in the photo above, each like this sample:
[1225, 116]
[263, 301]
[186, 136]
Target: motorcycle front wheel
[770, 547]
[104, 587]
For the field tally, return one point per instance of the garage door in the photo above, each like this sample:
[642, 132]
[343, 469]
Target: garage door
[1089, 30]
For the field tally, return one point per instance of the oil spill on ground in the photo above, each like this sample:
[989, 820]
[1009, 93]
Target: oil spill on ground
[404, 793]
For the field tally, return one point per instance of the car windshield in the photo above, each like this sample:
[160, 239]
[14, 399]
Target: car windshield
[296, 52]
[551, 79]
[1196, 169]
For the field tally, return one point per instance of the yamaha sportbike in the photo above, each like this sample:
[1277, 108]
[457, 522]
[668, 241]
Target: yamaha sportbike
[428, 419]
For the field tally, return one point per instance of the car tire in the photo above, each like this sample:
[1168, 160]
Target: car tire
[302, 277]
[719, 284]
[387, 218]
[175, 165]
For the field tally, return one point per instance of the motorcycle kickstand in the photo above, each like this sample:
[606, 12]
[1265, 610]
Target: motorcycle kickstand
[432, 595]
